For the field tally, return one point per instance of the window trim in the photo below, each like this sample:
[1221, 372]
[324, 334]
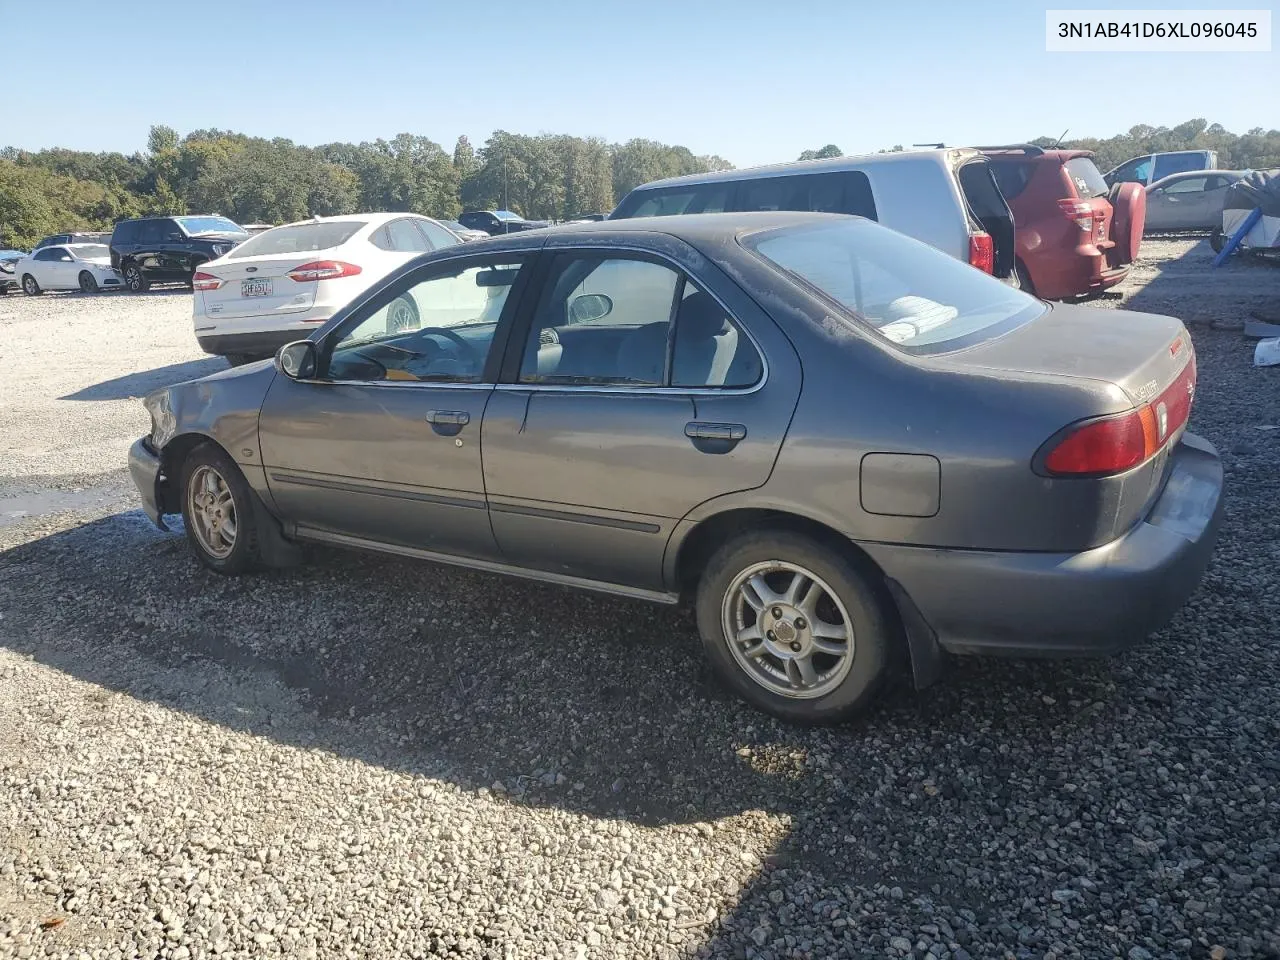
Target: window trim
[518, 334]
[381, 296]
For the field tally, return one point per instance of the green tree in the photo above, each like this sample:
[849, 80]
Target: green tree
[830, 150]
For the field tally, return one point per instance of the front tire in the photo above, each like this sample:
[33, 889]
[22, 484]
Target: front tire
[134, 280]
[29, 286]
[793, 627]
[402, 315]
[87, 282]
[220, 513]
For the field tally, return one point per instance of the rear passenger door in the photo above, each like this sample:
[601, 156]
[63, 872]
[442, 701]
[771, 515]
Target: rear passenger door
[633, 395]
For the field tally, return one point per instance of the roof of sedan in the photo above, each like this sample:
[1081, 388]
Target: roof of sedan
[687, 226]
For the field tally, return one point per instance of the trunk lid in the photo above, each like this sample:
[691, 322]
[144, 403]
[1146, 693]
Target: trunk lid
[258, 286]
[1140, 353]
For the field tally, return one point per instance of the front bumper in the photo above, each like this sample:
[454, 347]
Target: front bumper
[255, 344]
[144, 467]
[1090, 603]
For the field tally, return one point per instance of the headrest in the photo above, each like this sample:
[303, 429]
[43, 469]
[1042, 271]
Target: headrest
[700, 317]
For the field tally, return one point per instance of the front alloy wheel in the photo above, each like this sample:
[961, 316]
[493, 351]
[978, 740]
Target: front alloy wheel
[134, 280]
[212, 510]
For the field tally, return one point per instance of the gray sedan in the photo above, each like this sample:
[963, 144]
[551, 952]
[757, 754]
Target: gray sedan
[1189, 201]
[842, 445]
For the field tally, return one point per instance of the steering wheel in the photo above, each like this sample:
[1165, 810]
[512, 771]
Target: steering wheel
[472, 354]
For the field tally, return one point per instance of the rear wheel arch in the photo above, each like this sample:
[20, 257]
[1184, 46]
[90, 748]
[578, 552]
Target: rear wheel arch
[914, 646]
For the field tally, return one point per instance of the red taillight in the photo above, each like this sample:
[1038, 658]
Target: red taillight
[982, 252]
[205, 281]
[1078, 210]
[1112, 445]
[322, 270]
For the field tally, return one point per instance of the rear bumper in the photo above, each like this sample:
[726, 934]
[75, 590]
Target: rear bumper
[1090, 603]
[255, 344]
[144, 467]
[1059, 272]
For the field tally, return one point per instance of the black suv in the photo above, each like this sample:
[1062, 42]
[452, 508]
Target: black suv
[170, 249]
[495, 222]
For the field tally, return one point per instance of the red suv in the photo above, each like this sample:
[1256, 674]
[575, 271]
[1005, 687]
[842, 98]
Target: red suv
[1075, 236]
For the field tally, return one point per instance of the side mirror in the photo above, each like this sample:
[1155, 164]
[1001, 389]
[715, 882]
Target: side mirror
[588, 307]
[297, 360]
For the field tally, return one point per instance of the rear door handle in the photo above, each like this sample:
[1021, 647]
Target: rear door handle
[448, 423]
[714, 437]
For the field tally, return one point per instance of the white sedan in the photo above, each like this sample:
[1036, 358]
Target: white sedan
[72, 266]
[281, 284]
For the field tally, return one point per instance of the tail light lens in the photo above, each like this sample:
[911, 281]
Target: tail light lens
[322, 270]
[982, 252]
[1111, 445]
[205, 281]
[1079, 211]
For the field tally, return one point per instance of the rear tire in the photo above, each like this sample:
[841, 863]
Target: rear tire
[1217, 240]
[87, 282]
[134, 280]
[219, 512]
[29, 286]
[811, 594]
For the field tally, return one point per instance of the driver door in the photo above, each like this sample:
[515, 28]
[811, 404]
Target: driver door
[383, 445]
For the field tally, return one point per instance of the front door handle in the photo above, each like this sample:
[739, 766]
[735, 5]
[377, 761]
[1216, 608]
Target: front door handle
[448, 423]
[714, 437]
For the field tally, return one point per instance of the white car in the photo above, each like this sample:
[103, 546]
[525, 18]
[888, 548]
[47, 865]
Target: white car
[281, 284]
[73, 266]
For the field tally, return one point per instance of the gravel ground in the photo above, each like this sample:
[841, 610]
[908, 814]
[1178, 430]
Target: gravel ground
[371, 757]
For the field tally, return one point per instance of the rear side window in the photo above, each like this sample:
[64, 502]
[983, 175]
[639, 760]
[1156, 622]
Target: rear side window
[1086, 178]
[707, 198]
[437, 236]
[844, 192]
[298, 238]
[1177, 163]
[151, 231]
[125, 232]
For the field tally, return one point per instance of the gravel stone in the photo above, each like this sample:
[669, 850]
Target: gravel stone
[369, 756]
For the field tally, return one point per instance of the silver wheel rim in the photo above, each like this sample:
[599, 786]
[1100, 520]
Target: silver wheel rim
[213, 512]
[400, 316]
[787, 630]
[86, 283]
[29, 285]
[134, 278]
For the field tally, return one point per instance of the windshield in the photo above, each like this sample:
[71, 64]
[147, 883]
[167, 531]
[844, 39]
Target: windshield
[90, 251]
[507, 215]
[198, 225]
[909, 293]
[298, 238]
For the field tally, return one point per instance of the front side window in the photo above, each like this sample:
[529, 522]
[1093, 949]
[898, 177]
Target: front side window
[1187, 185]
[631, 322]
[439, 329]
[908, 292]
[437, 236]
[405, 238]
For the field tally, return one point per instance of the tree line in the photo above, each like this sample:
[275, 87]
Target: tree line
[255, 180]
[550, 176]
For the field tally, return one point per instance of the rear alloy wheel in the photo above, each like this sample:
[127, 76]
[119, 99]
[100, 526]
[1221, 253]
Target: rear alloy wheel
[134, 280]
[793, 627]
[402, 315]
[218, 510]
[29, 286]
[87, 283]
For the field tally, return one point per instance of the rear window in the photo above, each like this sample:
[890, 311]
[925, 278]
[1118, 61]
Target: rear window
[914, 296]
[1086, 177]
[298, 238]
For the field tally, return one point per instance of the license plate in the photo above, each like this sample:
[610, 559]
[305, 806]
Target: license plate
[257, 287]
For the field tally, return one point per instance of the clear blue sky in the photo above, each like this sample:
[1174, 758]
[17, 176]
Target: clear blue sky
[752, 81]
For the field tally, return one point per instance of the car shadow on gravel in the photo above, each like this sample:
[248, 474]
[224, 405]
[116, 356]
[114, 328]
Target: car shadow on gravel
[140, 384]
[965, 803]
